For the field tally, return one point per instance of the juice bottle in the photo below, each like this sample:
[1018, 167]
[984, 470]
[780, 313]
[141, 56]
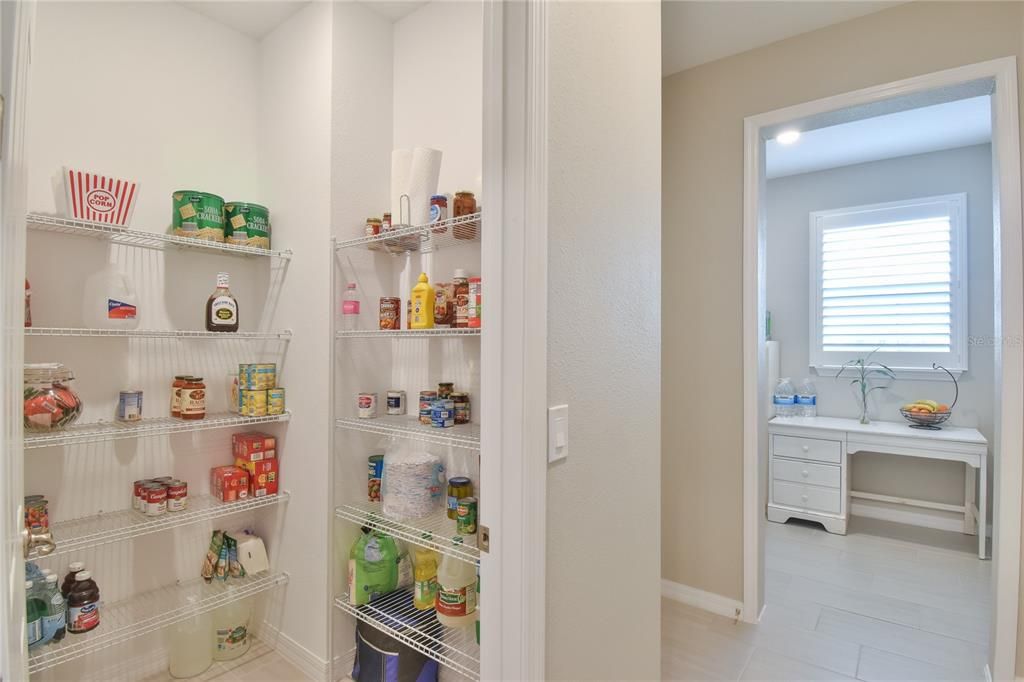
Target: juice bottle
[35, 611]
[425, 578]
[83, 604]
[73, 568]
[456, 593]
[422, 316]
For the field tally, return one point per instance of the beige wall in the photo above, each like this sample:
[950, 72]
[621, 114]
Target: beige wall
[604, 357]
[703, 112]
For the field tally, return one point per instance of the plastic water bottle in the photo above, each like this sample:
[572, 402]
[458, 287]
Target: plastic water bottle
[807, 399]
[55, 620]
[785, 398]
[350, 308]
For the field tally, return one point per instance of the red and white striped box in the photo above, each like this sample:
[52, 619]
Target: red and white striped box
[99, 198]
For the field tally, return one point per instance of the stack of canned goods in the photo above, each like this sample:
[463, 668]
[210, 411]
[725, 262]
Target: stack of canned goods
[258, 392]
[155, 496]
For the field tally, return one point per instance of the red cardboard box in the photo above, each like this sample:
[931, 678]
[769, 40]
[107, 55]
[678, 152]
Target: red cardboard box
[262, 476]
[253, 447]
[229, 483]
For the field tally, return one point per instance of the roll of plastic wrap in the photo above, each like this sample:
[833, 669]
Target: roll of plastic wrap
[772, 358]
[423, 177]
[401, 166]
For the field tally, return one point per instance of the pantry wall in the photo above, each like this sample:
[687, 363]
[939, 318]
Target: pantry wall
[231, 139]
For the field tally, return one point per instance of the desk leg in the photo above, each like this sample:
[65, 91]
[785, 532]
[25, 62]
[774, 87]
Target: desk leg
[970, 510]
[983, 507]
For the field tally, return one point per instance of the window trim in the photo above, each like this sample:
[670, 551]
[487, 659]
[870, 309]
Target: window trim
[827, 363]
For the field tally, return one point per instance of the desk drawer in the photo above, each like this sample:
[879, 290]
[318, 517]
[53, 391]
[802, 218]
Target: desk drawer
[807, 497]
[807, 448]
[827, 475]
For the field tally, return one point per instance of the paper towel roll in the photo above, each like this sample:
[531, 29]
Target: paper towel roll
[772, 359]
[423, 176]
[401, 165]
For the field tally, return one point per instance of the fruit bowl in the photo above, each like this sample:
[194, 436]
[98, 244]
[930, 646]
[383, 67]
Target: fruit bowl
[925, 420]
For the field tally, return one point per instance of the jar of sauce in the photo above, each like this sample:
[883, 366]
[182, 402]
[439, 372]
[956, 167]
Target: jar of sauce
[464, 204]
[176, 386]
[193, 398]
[439, 212]
[373, 226]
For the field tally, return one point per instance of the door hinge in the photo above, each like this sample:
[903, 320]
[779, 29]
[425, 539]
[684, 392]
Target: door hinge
[484, 539]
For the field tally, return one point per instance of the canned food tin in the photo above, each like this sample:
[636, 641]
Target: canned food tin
[390, 312]
[427, 399]
[251, 220]
[254, 402]
[156, 499]
[37, 515]
[375, 464]
[367, 405]
[275, 401]
[256, 376]
[199, 215]
[465, 522]
[396, 402]
[138, 498]
[129, 406]
[177, 496]
[442, 414]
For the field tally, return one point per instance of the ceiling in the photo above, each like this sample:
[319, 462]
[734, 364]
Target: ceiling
[698, 32]
[915, 131]
[254, 18]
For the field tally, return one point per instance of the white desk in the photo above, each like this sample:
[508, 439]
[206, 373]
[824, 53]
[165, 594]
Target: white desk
[808, 472]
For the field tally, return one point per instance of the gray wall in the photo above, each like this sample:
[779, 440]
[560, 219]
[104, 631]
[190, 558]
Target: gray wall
[790, 201]
[604, 354]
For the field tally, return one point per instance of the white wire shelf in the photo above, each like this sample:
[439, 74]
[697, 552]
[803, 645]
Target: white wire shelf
[151, 611]
[102, 529]
[394, 614]
[460, 436]
[284, 335]
[436, 532]
[149, 240]
[423, 238]
[408, 333]
[100, 432]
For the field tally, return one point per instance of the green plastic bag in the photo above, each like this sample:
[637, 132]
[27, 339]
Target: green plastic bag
[372, 567]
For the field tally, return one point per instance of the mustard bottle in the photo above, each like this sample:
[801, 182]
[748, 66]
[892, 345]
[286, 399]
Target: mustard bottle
[422, 304]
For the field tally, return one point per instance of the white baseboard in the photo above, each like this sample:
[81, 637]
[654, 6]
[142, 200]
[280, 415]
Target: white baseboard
[708, 601]
[302, 658]
[912, 516]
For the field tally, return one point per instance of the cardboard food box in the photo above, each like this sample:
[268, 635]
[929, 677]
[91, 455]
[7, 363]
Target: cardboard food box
[229, 483]
[253, 447]
[263, 480]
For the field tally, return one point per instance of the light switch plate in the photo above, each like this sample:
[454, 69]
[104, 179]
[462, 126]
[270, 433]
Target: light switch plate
[558, 433]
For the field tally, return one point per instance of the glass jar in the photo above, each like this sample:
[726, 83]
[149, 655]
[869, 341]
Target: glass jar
[50, 404]
[465, 204]
[193, 398]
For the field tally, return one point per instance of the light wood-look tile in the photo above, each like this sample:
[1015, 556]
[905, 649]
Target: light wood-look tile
[885, 602]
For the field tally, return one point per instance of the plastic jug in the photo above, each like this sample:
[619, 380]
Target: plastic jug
[456, 592]
[190, 645]
[110, 301]
[231, 629]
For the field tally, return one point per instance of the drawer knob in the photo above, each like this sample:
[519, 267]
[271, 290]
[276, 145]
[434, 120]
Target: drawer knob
[806, 448]
[805, 473]
[803, 497]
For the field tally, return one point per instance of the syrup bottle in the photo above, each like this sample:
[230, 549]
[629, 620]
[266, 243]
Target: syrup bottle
[222, 308]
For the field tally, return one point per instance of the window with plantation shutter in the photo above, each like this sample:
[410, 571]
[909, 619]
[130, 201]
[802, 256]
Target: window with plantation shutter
[890, 277]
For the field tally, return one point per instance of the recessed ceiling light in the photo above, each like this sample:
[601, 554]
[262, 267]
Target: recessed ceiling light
[788, 137]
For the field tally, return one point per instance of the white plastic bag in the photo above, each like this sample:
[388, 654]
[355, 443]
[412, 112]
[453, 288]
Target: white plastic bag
[413, 484]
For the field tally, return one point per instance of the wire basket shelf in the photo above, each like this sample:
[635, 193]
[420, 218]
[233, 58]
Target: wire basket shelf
[87, 532]
[436, 532]
[149, 612]
[149, 240]
[283, 335]
[408, 333]
[100, 432]
[422, 238]
[395, 614]
[460, 436]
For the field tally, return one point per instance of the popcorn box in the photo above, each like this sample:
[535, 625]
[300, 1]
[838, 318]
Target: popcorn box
[229, 483]
[253, 447]
[263, 477]
[99, 198]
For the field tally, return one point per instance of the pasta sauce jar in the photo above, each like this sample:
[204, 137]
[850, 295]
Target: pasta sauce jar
[179, 383]
[193, 398]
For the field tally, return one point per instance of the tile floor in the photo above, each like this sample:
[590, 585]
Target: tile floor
[261, 664]
[884, 602]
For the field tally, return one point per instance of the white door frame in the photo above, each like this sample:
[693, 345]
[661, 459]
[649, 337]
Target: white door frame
[514, 343]
[1008, 450]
